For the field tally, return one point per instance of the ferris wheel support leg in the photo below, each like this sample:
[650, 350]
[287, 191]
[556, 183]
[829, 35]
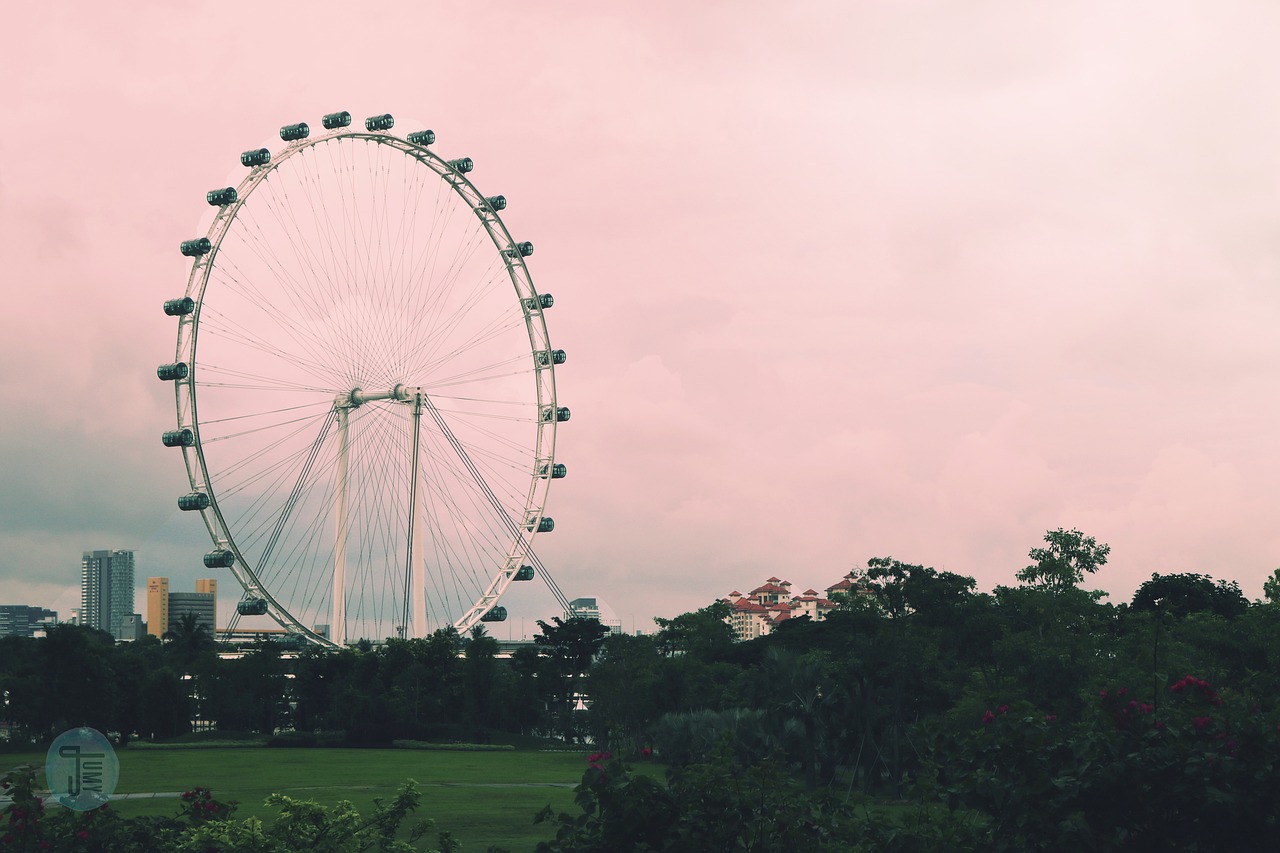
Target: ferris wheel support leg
[415, 588]
[338, 630]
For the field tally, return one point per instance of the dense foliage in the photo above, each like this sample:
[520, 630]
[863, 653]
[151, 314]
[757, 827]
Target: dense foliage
[202, 824]
[1035, 716]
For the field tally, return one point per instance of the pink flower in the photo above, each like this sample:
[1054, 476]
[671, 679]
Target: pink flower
[1050, 718]
[1159, 724]
[1123, 691]
[1200, 722]
[988, 718]
[646, 752]
[1003, 709]
[82, 834]
[1102, 694]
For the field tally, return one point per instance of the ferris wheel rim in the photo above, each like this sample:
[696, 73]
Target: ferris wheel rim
[199, 476]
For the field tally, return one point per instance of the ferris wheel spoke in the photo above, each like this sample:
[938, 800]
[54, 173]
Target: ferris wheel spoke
[313, 352]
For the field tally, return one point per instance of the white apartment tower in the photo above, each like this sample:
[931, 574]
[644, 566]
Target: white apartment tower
[106, 591]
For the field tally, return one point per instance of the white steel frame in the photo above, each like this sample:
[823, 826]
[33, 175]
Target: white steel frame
[523, 529]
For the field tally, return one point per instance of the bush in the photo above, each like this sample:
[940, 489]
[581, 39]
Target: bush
[205, 825]
[1198, 773]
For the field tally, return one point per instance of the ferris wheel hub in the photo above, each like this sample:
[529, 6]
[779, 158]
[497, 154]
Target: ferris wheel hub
[357, 397]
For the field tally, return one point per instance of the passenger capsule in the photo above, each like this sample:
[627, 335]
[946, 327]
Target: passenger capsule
[496, 202]
[524, 573]
[543, 300]
[261, 157]
[172, 372]
[193, 501]
[252, 607]
[223, 558]
[462, 164]
[523, 250]
[562, 414]
[291, 132]
[382, 122]
[336, 120]
[546, 525]
[555, 356]
[195, 248]
[178, 438]
[422, 137]
[221, 197]
[179, 307]
[555, 472]
[495, 614]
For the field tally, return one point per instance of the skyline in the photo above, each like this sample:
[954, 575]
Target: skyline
[835, 281]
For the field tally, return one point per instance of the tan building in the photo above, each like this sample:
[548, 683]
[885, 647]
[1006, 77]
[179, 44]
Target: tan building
[157, 606]
[165, 608]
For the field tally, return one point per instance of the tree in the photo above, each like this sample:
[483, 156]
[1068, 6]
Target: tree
[1271, 589]
[1070, 555]
[1180, 594]
[704, 633]
[624, 699]
[570, 645]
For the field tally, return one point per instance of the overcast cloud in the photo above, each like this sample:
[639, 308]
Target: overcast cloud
[837, 280]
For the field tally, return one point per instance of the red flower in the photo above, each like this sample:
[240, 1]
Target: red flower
[82, 834]
[1159, 724]
[1123, 691]
[988, 718]
[646, 752]
[1003, 709]
[1102, 694]
[1050, 718]
[1200, 722]
[1146, 708]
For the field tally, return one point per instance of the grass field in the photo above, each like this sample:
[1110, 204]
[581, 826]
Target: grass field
[483, 798]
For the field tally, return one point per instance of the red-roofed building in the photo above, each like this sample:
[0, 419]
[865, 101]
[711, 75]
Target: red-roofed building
[768, 605]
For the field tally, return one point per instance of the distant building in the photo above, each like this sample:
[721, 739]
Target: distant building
[768, 605]
[595, 608]
[106, 591]
[134, 628]
[165, 609]
[157, 606]
[20, 620]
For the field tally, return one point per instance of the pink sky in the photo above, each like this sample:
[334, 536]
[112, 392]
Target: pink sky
[837, 280]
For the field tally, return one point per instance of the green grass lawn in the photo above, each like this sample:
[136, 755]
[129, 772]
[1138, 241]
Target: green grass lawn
[483, 798]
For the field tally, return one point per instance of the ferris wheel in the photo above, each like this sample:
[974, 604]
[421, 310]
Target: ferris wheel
[365, 387]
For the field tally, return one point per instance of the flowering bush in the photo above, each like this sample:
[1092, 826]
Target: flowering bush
[720, 805]
[1190, 770]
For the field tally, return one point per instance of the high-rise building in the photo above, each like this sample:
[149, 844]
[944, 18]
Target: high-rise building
[157, 606]
[165, 609]
[21, 620]
[106, 590]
